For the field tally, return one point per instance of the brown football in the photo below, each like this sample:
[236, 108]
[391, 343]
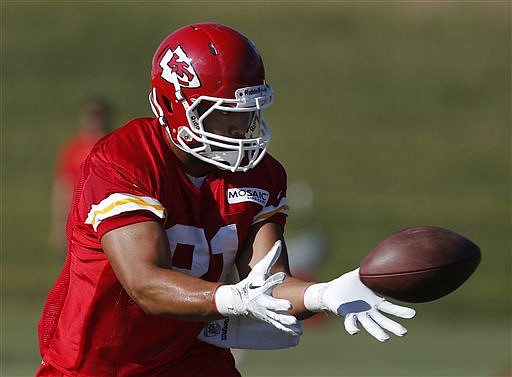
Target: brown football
[420, 264]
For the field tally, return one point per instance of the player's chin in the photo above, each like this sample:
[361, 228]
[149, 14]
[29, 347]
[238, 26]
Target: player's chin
[206, 167]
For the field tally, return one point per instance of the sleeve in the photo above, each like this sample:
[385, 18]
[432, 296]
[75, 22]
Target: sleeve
[275, 213]
[116, 195]
[276, 207]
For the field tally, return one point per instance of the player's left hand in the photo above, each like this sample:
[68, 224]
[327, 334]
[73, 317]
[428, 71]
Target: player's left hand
[347, 296]
[252, 296]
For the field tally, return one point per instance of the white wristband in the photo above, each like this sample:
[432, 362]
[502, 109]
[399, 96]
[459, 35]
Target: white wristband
[313, 297]
[225, 300]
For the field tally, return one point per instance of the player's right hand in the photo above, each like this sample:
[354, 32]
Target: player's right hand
[348, 297]
[252, 296]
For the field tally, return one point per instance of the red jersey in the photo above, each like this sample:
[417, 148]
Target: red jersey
[90, 326]
[73, 154]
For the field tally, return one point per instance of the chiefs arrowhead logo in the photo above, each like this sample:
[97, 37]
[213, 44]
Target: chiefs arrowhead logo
[177, 69]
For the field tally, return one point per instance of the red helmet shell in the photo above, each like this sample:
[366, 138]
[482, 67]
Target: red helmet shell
[204, 59]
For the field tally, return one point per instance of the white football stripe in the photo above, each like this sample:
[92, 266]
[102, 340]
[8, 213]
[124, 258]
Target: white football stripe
[118, 203]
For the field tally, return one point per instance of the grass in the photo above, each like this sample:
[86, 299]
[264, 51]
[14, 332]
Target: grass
[433, 347]
[395, 113]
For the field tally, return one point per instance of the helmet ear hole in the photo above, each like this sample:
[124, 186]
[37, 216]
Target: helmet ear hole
[167, 104]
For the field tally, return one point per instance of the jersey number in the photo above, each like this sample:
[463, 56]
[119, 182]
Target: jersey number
[193, 254]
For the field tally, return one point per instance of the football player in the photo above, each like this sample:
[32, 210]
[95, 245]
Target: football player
[94, 123]
[164, 208]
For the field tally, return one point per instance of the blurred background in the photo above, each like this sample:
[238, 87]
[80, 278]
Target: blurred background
[387, 115]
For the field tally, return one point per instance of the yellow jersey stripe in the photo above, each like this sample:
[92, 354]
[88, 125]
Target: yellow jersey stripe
[263, 216]
[117, 203]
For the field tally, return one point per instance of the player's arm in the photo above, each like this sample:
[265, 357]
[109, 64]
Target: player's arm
[345, 296]
[61, 197]
[140, 257]
[261, 238]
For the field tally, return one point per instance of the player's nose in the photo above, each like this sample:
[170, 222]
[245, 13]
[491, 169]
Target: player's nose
[237, 131]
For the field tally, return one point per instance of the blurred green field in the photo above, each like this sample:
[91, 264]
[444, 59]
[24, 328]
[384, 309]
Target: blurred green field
[396, 113]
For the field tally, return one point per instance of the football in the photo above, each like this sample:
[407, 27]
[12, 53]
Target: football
[420, 264]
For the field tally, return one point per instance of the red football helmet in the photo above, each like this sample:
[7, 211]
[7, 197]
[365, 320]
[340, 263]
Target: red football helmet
[215, 65]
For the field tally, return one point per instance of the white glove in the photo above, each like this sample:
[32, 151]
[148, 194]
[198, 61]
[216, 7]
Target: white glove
[347, 296]
[252, 296]
[247, 333]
